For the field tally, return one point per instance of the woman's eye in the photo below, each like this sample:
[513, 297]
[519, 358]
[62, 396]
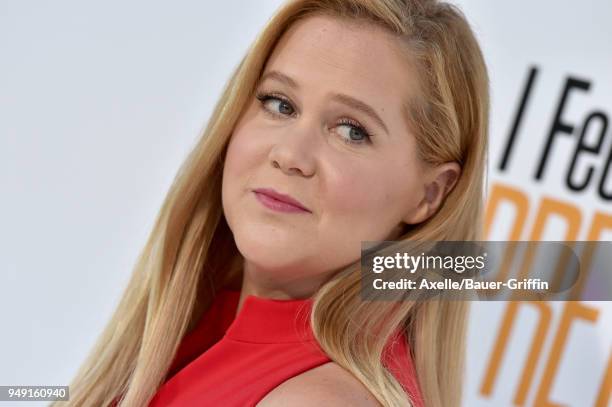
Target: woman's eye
[350, 131]
[276, 105]
[353, 133]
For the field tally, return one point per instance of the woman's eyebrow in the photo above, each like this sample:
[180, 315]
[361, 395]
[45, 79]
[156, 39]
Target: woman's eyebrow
[281, 77]
[361, 106]
[338, 97]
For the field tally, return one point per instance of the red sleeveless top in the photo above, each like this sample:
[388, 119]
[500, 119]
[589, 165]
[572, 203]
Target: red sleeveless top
[236, 360]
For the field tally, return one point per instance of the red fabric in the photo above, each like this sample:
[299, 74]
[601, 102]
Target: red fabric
[235, 362]
[398, 360]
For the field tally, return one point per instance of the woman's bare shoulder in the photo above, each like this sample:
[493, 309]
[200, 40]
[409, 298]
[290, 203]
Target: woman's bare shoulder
[325, 385]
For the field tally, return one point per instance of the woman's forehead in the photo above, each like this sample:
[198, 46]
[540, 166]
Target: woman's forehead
[328, 45]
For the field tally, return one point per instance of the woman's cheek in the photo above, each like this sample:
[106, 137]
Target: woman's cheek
[242, 153]
[355, 192]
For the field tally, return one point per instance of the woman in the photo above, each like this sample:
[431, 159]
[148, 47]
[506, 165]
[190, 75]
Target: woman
[347, 121]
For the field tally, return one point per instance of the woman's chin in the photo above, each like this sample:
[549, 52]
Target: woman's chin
[272, 252]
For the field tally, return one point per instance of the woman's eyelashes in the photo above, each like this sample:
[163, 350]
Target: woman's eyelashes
[278, 106]
[275, 104]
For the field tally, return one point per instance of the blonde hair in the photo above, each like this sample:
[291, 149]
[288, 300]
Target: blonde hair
[190, 253]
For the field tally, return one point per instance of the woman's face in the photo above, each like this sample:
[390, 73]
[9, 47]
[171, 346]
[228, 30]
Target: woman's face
[327, 127]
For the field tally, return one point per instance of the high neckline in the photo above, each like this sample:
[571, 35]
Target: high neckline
[267, 320]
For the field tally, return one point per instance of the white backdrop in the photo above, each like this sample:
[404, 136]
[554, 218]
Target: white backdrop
[100, 103]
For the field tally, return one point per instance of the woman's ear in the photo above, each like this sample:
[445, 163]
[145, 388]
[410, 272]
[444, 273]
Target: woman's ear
[440, 180]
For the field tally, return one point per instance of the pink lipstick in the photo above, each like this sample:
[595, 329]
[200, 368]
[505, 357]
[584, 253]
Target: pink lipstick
[279, 202]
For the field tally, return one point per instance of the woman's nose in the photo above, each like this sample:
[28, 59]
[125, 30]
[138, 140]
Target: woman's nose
[294, 150]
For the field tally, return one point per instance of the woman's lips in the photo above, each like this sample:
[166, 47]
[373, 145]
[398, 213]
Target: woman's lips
[275, 201]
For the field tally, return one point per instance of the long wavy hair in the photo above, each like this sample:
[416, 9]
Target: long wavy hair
[190, 254]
